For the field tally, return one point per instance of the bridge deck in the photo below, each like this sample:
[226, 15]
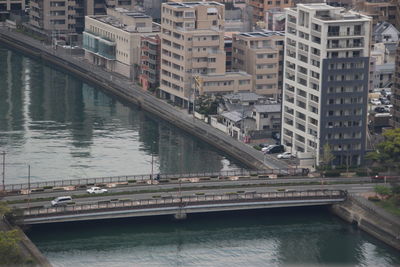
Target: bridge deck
[187, 204]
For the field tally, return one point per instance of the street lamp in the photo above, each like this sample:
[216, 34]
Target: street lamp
[4, 170]
[152, 162]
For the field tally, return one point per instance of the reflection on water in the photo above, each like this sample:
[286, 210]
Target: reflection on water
[67, 129]
[307, 236]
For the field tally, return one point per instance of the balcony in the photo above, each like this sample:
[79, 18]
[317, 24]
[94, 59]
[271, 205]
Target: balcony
[345, 34]
[345, 46]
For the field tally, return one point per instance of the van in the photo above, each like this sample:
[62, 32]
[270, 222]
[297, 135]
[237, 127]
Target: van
[60, 201]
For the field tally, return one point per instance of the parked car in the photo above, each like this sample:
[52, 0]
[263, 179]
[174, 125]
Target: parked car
[389, 106]
[275, 149]
[380, 110]
[60, 201]
[385, 101]
[286, 155]
[96, 190]
[375, 101]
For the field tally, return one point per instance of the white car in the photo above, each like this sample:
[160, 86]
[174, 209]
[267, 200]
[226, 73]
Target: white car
[61, 201]
[96, 190]
[375, 101]
[388, 106]
[286, 155]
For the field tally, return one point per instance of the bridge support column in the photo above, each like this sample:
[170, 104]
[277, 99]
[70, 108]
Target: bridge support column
[181, 215]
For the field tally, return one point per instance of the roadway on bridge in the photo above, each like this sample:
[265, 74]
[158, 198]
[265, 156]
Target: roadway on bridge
[173, 185]
[351, 188]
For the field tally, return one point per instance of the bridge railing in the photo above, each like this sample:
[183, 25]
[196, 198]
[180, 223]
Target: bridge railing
[143, 177]
[185, 200]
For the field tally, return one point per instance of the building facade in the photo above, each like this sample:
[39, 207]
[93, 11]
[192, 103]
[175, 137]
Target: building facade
[395, 99]
[113, 41]
[192, 52]
[261, 6]
[7, 6]
[379, 10]
[260, 54]
[325, 87]
[150, 61]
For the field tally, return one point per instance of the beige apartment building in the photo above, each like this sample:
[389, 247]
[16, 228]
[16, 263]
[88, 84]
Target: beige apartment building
[53, 17]
[260, 54]
[261, 6]
[379, 10]
[64, 18]
[114, 40]
[192, 52]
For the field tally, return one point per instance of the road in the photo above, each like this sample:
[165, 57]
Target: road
[259, 188]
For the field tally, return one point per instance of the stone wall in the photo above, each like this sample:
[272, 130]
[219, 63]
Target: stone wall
[370, 218]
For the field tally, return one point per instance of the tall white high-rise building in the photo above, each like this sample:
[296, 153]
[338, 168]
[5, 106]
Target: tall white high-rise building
[325, 87]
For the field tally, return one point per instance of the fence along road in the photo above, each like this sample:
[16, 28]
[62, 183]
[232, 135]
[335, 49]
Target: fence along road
[185, 204]
[11, 188]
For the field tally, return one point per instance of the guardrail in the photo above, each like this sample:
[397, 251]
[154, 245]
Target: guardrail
[143, 177]
[185, 200]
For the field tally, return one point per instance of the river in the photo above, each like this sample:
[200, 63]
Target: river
[64, 128]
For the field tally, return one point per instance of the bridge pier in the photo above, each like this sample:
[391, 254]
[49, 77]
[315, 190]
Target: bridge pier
[181, 215]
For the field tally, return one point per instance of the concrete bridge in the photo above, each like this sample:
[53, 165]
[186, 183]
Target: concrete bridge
[180, 206]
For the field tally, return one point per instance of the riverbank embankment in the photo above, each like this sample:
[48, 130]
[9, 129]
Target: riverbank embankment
[28, 249]
[132, 93]
[370, 218]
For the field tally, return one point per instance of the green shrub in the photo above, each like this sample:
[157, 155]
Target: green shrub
[257, 147]
[361, 172]
[332, 173]
[47, 187]
[131, 181]
[374, 199]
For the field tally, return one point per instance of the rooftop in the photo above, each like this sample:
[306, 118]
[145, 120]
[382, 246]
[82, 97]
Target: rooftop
[265, 108]
[262, 34]
[117, 23]
[244, 96]
[192, 4]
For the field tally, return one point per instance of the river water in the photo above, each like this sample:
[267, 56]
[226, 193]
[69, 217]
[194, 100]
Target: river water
[64, 128]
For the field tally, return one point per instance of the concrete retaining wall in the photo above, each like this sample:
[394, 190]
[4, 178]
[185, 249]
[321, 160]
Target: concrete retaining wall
[370, 219]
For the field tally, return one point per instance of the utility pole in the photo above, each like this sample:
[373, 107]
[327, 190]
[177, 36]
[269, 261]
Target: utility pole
[4, 170]
[29, 185]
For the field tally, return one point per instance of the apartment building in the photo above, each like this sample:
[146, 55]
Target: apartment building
[192, 52]
[53, 17]
[398, 15]
[7, 6]
[260, 54]
[325, 86]
[395, 99]
[150, 61]
[114, 40]
[261, 6]
[379, 10]
[275, 19]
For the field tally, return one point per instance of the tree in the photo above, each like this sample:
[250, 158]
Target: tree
[387, 153]
[4, 209]
[383, 191]
[327, 155]
[10, 253]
